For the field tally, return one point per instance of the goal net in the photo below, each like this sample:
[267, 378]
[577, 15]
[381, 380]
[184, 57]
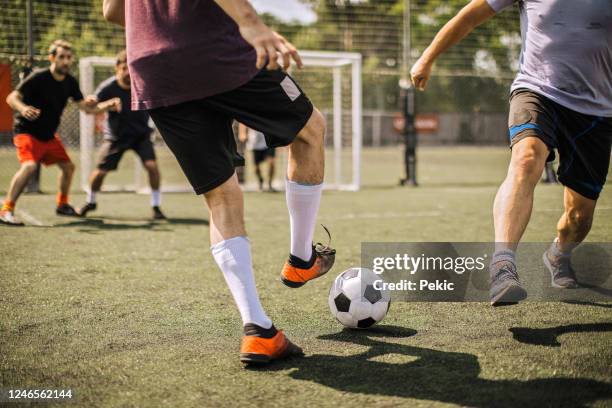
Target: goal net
[332, 80]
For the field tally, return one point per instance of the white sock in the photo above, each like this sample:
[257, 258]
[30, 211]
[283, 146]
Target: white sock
[155, 198]
[303, 204]
[234, 258]
[91, 197]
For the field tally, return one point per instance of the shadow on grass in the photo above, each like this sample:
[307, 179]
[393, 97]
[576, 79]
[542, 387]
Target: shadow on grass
[585, 303]
[548, 336]
[431, 375]
[93, 224]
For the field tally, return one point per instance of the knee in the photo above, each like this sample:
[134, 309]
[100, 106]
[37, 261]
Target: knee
[314, 131]
[226, 196]
[98, 174]
[151, 166]
[528, 162]
[29, 167]
[67, 167]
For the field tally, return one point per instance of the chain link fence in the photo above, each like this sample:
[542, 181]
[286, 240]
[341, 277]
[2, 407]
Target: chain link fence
[468, 92]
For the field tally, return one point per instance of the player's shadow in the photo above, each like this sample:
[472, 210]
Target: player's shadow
[95, 224]
[549, 336]
[432, 375]
[587, 303]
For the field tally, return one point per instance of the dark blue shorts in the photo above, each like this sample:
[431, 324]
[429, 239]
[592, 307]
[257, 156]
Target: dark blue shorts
[583, 141]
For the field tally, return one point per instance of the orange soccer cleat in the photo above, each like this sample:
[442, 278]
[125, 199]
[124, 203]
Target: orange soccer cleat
[261, 346]
[297, 272]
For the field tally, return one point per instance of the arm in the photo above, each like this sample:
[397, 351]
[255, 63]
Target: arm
[470, 17]
[91, 105]
[267, 43]
[15, 101]
[114, 11]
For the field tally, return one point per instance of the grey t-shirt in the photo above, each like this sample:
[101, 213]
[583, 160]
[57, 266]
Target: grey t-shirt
[566, 52]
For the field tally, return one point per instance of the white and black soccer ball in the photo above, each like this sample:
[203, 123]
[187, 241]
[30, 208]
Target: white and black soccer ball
[355, 302]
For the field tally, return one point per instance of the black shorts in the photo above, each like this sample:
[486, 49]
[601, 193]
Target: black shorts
[111, 151]
[263, 154]
[583, 141]
[200, 134]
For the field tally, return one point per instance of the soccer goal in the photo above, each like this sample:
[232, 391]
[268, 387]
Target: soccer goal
[332, 80]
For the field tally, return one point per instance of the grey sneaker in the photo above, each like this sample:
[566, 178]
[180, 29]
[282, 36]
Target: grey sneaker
[505, 288]
[562, 274]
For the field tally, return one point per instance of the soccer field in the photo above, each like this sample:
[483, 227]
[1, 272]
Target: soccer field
[132, 313]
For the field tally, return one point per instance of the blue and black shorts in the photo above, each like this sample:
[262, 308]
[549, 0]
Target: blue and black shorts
[583, 141]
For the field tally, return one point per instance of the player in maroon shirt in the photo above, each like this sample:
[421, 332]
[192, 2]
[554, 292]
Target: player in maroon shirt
[196, 66]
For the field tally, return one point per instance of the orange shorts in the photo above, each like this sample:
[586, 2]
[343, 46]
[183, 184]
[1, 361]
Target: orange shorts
[46, 152]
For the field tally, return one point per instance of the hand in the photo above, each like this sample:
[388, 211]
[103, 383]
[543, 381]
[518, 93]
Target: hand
[114, 105]
[90, 101]
[30, 113]
[269, 44]
[419, 73]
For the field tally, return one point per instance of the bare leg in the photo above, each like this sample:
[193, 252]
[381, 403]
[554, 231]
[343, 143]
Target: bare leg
[306, 154]
[226, 209]
[259, 176]
[576, 221]
[65, 178]
[271, 165]
[96, 179]
[20, 179]
[514, 199]
[154, 174]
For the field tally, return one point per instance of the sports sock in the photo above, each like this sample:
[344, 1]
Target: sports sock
[557, 252]
[8, 205]
[155, 198]
[303, 204]
[91, 197]
[501, 258]
[234, 259]
[62, 199]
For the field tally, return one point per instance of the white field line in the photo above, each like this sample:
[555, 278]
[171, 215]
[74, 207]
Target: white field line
[366, 215]
[29, 218]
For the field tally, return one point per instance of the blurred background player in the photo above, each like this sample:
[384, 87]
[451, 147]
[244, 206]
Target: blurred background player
[123, 130]
[38, 102]
[256, 142]
[561, 98]
[216, 76]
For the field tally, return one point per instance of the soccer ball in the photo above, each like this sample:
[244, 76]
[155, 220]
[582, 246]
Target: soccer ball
[354, 301]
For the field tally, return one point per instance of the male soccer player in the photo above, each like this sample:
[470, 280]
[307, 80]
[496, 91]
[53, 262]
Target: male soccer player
[561, 98]
[123, 130]
[256, 142]
[196, 66]
[38, 102]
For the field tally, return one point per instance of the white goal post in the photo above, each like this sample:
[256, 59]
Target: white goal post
[343, 108]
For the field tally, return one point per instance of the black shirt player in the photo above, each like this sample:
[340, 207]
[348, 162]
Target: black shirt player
[39, 101]
[123, 130]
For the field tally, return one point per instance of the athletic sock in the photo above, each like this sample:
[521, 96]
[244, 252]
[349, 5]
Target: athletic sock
[303, 204]
[556, 252]
[62, 199]
[8, 205]
[155, 198]
[234, 259]
[91, 197]
[504, 257]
